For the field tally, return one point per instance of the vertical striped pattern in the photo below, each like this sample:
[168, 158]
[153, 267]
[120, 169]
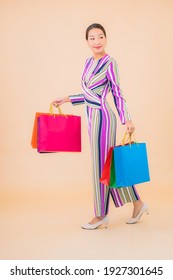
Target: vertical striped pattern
[102, 132]
[113, 78]
[97, 81]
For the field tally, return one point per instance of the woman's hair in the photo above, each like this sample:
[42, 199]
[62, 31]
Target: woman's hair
[94, 25]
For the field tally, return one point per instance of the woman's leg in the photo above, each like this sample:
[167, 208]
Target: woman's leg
[137, 207]
[129, 194]
[102, 133]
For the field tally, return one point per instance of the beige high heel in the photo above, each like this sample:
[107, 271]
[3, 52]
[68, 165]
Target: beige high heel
[104, 222]
[141, 212]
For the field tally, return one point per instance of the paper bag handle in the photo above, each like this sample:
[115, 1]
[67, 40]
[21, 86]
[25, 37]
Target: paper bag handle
[59, 110]
[128, 140]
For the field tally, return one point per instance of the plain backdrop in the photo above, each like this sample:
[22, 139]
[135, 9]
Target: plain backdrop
[42, 54]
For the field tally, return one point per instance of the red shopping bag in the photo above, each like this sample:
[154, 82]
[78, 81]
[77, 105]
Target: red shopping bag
[108, 176]
[126, 164]
[106, 172]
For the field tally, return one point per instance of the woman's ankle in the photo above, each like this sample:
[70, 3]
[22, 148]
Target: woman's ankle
[138, 203]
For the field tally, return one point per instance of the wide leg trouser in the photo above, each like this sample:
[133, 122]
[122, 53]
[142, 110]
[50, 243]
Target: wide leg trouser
[102, 134]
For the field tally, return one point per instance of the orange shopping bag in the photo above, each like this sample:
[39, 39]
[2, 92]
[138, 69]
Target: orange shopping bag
[34, 138]
[35, 129]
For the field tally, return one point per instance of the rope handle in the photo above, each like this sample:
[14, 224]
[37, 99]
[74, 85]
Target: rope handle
[59, 110]
[127, 139]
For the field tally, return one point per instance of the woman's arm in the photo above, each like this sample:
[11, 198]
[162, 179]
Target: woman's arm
[60, 101]
[74, 99]
[120, 102]
[77, 99]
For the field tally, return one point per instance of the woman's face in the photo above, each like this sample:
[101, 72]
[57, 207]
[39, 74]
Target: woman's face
[97, 42]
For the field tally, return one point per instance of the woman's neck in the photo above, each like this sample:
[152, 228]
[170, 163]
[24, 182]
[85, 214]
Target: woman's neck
[98, 56]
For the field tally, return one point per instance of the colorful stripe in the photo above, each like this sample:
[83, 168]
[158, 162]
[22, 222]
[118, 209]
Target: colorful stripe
[102, 132]
[97, 82]
[77, 99]
[120, 103]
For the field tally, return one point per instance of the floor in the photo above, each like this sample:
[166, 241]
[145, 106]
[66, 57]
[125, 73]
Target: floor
[45, 224]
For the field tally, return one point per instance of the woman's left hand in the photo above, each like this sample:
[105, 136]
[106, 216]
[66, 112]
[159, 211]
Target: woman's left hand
[130, 127]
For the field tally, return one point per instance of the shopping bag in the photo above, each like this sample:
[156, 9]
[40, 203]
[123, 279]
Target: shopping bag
[131, 164]
[34, 139]
[56, 132]
[112, 182]
[35, 129]
[106, 172]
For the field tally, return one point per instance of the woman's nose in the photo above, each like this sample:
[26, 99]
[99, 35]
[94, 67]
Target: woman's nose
[97, 41]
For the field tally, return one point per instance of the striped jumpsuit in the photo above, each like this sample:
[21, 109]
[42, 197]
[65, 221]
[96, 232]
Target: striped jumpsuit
[98, 78]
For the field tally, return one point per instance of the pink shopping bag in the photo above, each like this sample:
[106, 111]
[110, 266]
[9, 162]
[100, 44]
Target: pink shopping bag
[59, 133]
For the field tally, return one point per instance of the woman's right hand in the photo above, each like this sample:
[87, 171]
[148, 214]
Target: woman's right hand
[60, 101]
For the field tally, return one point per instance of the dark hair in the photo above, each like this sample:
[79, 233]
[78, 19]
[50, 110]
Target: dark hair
[92, 26]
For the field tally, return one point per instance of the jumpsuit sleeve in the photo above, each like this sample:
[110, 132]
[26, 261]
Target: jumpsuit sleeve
[77, 99]
[120, 102]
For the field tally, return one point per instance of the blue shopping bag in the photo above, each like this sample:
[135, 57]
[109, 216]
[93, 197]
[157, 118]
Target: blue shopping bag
[131, 164]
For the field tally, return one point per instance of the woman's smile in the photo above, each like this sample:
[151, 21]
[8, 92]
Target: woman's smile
[97, 47]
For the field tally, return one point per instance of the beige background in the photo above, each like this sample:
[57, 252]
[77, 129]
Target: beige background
[42, 53]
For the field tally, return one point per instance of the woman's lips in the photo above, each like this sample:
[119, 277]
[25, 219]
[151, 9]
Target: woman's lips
[98, 47]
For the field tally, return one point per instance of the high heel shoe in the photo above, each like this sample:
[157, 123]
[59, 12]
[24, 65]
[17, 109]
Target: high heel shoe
[104, 222]
[141, 212]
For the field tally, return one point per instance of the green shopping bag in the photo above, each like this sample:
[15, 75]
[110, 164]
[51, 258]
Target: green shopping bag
[109, 176]
[112, 182]
[108, 172]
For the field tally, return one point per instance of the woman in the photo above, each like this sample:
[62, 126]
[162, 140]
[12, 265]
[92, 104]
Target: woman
[98, 78]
